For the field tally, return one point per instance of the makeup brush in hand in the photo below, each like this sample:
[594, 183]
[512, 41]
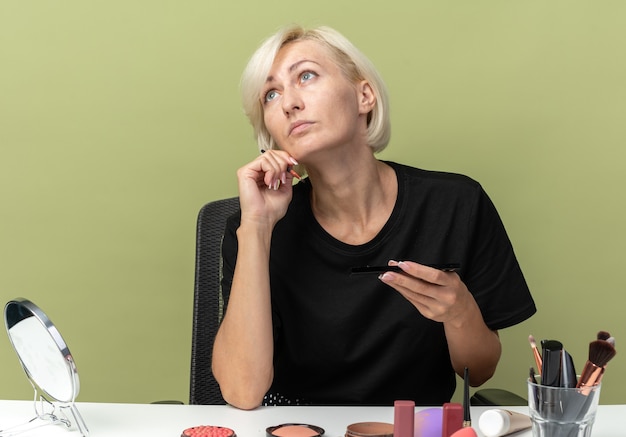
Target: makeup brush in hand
[600, 353]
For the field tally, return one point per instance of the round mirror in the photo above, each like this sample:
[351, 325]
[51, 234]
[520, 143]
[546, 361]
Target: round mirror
[47, 361]
[42, 351]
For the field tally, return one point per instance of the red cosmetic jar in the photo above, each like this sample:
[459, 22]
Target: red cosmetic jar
[208, 431]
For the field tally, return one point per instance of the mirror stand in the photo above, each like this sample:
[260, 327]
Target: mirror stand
[49, 412]
[44, 402]
[46, 411]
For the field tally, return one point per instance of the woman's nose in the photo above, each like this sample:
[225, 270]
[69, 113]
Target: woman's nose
[292, 101]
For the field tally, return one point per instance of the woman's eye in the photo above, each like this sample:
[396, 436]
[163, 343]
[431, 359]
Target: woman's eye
[270, 95]
[307, 75]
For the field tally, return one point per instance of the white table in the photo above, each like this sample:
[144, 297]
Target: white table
[155, 420]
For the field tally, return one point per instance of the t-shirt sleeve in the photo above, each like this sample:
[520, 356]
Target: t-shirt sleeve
[494, 275]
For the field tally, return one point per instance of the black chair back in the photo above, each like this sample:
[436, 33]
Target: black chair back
[208, 303]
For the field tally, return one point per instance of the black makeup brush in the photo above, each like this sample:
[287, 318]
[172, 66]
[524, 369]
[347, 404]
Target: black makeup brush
[467, 419]
[568, 372]
[603, 335]
[600, 353]
[531, 375]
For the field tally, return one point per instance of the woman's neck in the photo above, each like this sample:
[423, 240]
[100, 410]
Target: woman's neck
[353, 200]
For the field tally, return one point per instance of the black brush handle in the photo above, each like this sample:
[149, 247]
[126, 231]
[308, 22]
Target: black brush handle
[467, 418]
[551, 366]
[568, 372]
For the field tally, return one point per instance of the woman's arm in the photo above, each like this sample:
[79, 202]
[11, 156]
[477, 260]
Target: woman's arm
[472, 344]
[244, 348]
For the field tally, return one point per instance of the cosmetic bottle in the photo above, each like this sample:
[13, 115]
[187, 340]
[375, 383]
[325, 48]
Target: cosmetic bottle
[497, 423]
[403, 419]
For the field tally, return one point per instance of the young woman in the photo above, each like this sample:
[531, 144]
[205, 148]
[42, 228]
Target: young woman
[300, 328]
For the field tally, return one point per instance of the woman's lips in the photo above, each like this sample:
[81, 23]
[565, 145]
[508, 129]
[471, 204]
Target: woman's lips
[299, 126]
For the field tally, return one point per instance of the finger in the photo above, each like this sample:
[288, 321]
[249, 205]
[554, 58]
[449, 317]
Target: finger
[271, 170]
[425, 273]
[276, 168]
[407, 283]
[428, 306]
[419, 290]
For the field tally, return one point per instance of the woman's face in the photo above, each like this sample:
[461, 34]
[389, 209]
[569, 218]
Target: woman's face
[309, 104]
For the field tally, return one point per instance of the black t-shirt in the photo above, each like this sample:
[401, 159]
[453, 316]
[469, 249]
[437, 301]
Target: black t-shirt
[344, 339]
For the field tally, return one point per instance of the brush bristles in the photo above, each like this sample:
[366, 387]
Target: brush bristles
[603, 335]
[601, 352]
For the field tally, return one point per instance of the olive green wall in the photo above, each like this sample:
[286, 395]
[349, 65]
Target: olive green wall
[120, 119]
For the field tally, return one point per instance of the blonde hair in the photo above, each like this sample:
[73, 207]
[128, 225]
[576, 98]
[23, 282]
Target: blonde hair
[354, 64]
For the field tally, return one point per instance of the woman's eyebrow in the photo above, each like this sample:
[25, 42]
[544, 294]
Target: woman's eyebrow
[297, 64]
[292, 67]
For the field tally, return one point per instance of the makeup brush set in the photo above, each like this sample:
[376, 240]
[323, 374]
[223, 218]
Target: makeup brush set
[557, 394]
[556, 365]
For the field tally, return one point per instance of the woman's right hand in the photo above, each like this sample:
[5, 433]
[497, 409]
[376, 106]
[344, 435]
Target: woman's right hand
[265, 187]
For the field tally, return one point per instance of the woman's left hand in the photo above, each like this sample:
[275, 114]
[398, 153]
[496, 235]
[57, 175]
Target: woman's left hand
[438, 295]
[443, 297]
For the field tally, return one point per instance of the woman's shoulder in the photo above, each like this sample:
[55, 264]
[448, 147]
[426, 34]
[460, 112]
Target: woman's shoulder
[433, 178]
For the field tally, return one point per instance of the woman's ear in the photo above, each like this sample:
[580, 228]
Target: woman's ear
[366, 96]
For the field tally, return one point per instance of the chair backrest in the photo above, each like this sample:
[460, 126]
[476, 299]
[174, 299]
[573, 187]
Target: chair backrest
[208, 302]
